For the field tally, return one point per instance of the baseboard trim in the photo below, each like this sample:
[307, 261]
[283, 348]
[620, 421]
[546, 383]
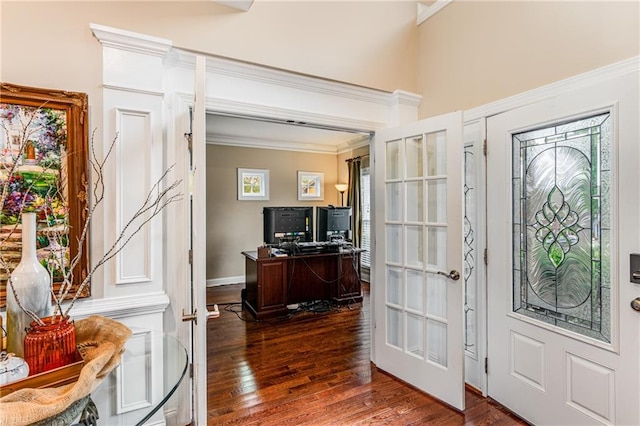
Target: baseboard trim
[214, 282]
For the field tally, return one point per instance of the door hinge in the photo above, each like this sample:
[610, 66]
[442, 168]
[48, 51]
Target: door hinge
[484, 147]
[191, 371]
[190, 257]
[189, 137]
[486, 366]
[486, 257]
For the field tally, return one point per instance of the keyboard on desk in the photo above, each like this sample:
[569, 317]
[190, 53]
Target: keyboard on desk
[311, 248]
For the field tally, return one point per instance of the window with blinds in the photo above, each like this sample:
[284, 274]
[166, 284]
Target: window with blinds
[365, 259]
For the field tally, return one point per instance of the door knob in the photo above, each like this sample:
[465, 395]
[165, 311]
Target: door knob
[635, 304]
[454, 275]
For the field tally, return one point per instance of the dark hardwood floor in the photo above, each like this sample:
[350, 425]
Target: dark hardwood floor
[314, 369]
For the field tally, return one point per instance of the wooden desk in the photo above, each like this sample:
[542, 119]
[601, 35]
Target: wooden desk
[272, 283]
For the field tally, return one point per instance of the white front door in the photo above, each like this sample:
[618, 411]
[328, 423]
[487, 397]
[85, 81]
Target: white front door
[563, 210]
[418, 317]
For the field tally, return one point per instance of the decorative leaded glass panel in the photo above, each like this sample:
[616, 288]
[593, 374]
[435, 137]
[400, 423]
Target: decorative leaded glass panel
[469, 247]
[561, 209]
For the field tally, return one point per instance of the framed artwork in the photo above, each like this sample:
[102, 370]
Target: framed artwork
[43, 169]
[253, 184]
[310, 186]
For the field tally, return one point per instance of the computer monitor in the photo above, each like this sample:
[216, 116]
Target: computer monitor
[287, 224]
[333, 223]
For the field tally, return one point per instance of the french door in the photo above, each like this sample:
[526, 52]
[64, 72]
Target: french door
[563, 211]
[418, 319]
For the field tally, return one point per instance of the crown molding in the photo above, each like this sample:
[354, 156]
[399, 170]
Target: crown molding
[130, 41]
[276, 77]
[402, 97]
[425, 12]
[356, 143]
[243, 5]
[263, 143]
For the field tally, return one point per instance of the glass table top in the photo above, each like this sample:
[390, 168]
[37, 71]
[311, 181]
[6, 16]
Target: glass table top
[175, 363]
[108, 405]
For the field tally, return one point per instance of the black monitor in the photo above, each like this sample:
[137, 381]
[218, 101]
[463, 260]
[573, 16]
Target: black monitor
[333, 223]
[287, 224]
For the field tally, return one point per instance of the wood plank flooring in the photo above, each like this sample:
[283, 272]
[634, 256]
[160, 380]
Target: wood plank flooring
[314, 369]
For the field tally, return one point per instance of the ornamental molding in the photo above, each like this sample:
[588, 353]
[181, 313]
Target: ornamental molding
[130, 41]
[425, 12]
[122, 307]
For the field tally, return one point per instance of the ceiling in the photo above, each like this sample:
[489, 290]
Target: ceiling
[260, 133]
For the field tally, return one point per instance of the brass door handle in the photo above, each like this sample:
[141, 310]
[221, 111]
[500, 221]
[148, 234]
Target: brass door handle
[213, 314]
[190, 317]
[635, 304]
[454, 275]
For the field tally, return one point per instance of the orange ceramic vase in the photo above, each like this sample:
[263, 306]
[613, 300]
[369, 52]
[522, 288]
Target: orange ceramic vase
[51, 345]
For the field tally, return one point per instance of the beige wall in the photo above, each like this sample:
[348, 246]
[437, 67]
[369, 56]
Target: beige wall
[234, 226]
[468, 54]
[343, 168]
[49, 44]
[475, 52]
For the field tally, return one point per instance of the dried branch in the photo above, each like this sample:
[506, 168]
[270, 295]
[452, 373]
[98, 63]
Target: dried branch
[159, 196]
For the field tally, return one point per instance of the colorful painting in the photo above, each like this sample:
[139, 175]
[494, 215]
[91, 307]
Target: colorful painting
[43, 143]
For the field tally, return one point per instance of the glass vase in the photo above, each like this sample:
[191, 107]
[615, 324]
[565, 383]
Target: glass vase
[51, 345]
[30, 282]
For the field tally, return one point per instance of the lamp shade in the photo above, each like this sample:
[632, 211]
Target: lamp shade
[341, 187]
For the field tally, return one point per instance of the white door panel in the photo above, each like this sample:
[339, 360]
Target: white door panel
[198, 242]
[563, 343]
[418, 209]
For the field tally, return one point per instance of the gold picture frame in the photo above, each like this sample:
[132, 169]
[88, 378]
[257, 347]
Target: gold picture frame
[54, 148]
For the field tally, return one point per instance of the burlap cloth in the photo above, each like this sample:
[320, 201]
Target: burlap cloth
[101, 342]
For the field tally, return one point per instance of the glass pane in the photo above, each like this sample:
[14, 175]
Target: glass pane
[413, 149]
[415, 290]
[394, 286]
[437, 342]
[415, 335]
[394, 243]
[394, 201]
[437, 247]
[394, 327]
[415, 246]
[394, 164]
[437, 200]
[469, 247]
[436, 295]
[415, 205]
[436, 154]
[558, 225]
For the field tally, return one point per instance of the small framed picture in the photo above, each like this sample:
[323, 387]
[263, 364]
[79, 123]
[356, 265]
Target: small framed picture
[253, 184]
[310, 186]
